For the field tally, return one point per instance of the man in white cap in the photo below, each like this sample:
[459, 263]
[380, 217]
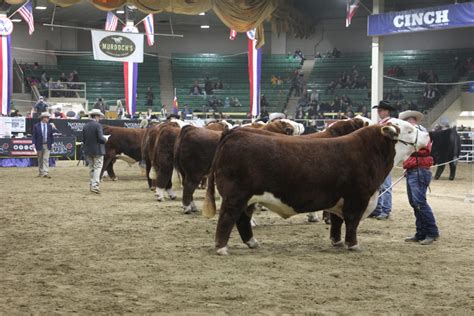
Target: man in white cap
[418, 176]
[43, 140]
[94, 148]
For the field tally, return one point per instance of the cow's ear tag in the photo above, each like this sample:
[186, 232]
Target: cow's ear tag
[390, 132]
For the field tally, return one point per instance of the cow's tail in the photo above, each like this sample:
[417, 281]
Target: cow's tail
[209, 208]
[177, 151]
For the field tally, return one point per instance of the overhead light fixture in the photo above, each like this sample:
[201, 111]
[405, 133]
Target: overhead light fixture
[202, 13]
[120, 11]
[205, 26]
[40, 7]
[16, 20]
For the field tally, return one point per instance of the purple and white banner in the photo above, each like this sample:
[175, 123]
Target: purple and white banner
[425, 19]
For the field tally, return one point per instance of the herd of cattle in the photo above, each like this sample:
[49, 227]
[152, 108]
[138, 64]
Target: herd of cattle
[338, 170]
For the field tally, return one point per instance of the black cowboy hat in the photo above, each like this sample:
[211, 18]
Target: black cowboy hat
[384, 105]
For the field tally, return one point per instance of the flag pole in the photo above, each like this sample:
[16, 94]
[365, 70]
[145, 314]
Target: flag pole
[141, 21]
[18, 9]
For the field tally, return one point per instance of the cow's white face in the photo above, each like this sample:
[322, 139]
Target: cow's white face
[410, 139]
[229, 126]
[179, 122]
[298, 128]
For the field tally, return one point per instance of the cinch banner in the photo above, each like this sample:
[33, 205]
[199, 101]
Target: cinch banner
[426, 19]
[117, 46]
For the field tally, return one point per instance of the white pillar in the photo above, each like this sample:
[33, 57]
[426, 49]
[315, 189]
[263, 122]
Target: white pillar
[377, 65]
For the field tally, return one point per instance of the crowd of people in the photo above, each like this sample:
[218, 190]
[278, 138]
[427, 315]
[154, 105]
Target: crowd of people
[59, 86]
[348, 80]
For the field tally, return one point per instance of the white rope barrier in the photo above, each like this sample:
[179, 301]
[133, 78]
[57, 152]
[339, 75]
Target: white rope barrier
[429, 83]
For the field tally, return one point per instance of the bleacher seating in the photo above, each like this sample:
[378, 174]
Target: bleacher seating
[440, 61]
[233, 71]
[105, 79]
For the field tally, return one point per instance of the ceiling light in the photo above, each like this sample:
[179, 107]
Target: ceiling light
[40, 7]
[202, 13]
[16, 20]
[120, 11]
[41, 4]
[205, 26]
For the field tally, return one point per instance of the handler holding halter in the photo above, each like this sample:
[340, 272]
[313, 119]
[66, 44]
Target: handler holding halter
[418, 176]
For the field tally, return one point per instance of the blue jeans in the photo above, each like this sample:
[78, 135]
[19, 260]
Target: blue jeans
[418, 181]
[384, 204]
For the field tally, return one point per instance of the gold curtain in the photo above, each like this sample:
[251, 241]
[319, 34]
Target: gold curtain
[240, 15]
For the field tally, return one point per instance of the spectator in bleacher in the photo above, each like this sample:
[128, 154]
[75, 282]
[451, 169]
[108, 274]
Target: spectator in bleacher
[391, 72]
[274, 80]
[44, 80]
[120, 109]
[294, 85]
[100, 105]
[362, 83]
[422, 75]
[208, 86]
[429, 96]
[149, 97]
[299, 114]
[301, 84]
[226, 102]
[58, 85]
[264, 113]
[63, 77]
[303, 101]
[195, 89]
[59, 114]
[75, 76]
[219, 85]
[299, 54]
[163, 112]
[40, 107]
[432, 77]
[234, 101]
[263, 101]
[187, 113]
[312, 112]
[314, 96]
[331, 87]
[336, 53]
[345, 101]
[349, 113]
[364, 111]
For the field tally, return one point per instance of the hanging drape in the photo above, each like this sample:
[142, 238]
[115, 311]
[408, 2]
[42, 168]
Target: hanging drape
[240, 15]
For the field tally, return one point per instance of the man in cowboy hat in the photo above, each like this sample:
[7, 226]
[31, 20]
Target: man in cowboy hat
[384, 204]
[94, 148]
[43, 140]
[418, 176]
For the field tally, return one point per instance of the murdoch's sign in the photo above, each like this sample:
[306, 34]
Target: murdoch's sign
[117, 46]
[435, 18]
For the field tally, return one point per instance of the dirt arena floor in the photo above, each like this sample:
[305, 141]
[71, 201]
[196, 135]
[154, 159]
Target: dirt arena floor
[65, 250]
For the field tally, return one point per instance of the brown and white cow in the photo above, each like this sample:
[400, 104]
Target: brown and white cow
[195, 148]
[291, 175]
[122, 141]
[161, 157]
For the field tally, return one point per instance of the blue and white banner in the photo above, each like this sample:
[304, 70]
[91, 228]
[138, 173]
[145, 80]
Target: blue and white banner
[425, 19]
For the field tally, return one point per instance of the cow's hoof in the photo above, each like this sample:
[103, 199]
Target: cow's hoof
[252, 243]
[337, 244]
[115, 179]
[253, 223]
[188, 209]
[312, 218]
[224, 251]
[152, 188]
[327, 221]
[173, 197]
[160, 199]
[356, 247]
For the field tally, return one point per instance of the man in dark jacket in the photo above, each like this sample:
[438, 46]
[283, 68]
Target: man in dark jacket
[43, 140]
[94, 148]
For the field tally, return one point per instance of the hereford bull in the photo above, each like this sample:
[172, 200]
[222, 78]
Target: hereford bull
[195, 148]
[291, 175]
[446, 147]
[122, 141]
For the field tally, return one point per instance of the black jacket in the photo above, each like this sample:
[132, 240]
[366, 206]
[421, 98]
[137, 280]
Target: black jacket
[94, 140]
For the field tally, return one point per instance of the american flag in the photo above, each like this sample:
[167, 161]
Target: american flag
[26, 12]
[233, 34]
[352, 6]
[111, 22]
[149, 29]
